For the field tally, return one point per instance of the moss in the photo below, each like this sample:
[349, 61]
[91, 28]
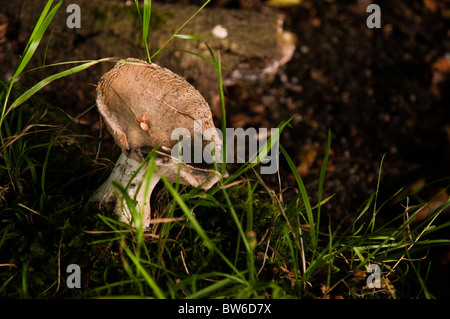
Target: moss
[42, 223]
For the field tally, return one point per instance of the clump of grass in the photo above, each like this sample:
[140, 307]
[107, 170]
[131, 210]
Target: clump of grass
[238, 240]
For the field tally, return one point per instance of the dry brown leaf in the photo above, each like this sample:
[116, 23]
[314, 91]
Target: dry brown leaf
[360, 273]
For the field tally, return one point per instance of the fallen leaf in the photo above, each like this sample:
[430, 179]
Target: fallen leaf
[360, 273]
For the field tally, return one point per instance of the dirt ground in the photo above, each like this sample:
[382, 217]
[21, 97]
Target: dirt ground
[380, 91]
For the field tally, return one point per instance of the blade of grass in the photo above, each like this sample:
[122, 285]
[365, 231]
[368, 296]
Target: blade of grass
[36, 36]
[41, 25]
[260, 154]
[250, 233]
[180, 28]
[322, 180]
[25, 280]
[146, 25]
[237, 221]
[372, 222]
[41, 84]
[141, 270]
[421, 281]
[44, 165]
[208, 291]
[195, 224]
[223, 114]
[305, 198]
[287, 236]
[145, 21]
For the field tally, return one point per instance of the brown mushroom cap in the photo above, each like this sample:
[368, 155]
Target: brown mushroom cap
[142, 104]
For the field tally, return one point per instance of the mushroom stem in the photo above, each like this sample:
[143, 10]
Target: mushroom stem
[124, 169]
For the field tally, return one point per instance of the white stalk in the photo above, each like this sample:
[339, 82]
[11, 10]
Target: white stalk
[123, 171]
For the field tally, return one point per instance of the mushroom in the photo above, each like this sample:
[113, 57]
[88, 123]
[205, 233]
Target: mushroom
[142, 104]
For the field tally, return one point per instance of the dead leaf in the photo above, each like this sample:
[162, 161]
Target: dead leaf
[360, 273]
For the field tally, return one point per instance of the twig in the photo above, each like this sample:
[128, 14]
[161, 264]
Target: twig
[184, 263]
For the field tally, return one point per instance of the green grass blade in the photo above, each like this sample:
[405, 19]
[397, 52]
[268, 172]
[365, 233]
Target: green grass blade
[261, 153]
[36, 36]
[179, 29]
[237, 222]
[305, 198]
[195, 224]
[223, 114]
[208, 291]
[145, 22]
[322, 180]
[158, 292]
[31, 168]
[146, 26]
[372, 222]
[41, 84]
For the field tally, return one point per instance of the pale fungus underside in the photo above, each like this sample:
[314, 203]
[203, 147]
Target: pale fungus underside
[142, 104]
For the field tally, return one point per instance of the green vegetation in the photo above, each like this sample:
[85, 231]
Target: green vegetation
[238, 240]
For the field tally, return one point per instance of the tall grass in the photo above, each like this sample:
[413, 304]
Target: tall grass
[12, 149]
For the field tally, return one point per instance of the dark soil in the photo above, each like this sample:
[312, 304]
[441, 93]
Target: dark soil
[379, 91]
